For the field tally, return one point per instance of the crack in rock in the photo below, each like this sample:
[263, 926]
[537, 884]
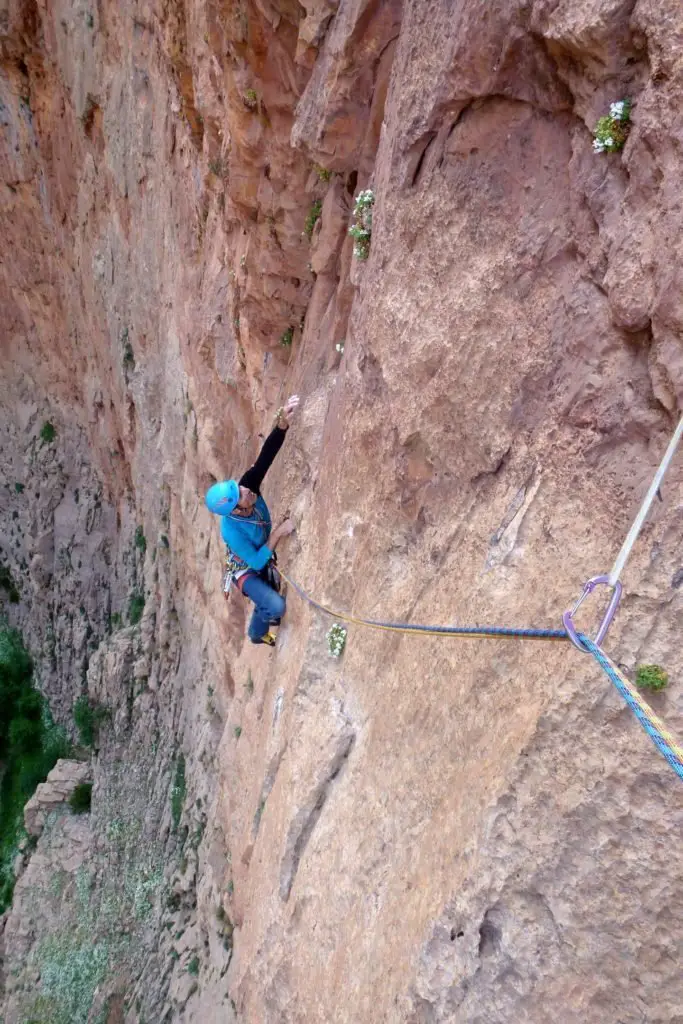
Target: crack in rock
[306, 818]
[268, 783]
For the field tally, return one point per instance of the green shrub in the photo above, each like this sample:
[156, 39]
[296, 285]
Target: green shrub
[81, 798]
[128, 355]
[250, 99]
[336, 640]
[312, 218]
[361, 229]
[88, 718]
[19, 488]
[26, 733]
[193, 966]
[612, 130]
[15, 679]
[287, 338]
[651, 677]
[140, 542]
[71, 968]
[238, 731]
[47, 432]
[136, 607]
[178, 792]
[7, 584]
[30, 744]
[322, 172]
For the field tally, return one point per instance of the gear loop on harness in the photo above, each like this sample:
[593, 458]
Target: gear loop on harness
[589, 587]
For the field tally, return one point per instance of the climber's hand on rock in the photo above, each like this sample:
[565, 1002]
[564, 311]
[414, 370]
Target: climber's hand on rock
[286, 527]
[287, 410]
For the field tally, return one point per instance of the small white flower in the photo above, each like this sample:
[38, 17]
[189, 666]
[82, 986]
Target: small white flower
[609, 141]
[598, 146]
[336, 638]
[616, 109]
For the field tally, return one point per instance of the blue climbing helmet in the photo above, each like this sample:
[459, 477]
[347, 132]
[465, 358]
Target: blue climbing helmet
[221, 498]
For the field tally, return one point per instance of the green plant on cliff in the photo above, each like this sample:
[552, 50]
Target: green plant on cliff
[361, 229]
[140, 542]
[322, 172]
[612, 130]
[7, 584]
[128, 355]
[651, 677]
[336, 640]
[70, 972]
[312, 218]
[259, 814]
[47, 432]
[81, 798]
[101, 922]
[287, 338]
[30, 744]
[136, 606]
[88, 717]
[250, 99]
[178, 792]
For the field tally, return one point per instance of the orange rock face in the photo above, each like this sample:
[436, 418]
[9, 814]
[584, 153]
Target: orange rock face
[426, 830]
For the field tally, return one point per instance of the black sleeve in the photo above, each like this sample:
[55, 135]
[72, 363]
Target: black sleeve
[253, 478]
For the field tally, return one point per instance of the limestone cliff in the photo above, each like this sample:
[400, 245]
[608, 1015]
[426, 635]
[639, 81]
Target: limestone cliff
[427, 830]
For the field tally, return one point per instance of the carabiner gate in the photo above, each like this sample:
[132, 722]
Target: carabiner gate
[589, 587]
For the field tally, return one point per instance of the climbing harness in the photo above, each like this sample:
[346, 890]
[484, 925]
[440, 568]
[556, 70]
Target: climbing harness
[236, 569]
[651, 723]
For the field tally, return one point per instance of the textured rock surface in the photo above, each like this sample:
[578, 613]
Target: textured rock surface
[426, 831]
[56, 790]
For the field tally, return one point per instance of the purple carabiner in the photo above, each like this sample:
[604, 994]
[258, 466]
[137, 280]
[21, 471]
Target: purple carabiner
[607, 618]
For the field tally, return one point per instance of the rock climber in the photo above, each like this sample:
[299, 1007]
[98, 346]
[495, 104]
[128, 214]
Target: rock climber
[246, 529]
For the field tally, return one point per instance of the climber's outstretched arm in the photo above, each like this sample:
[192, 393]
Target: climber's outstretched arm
[253, 478]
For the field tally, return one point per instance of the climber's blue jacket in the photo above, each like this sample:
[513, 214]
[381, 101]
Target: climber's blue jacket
[246, 536]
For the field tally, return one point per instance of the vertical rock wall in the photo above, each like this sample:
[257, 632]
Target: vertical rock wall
[426, 831]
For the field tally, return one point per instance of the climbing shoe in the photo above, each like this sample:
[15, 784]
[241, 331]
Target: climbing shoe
[268, 639]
